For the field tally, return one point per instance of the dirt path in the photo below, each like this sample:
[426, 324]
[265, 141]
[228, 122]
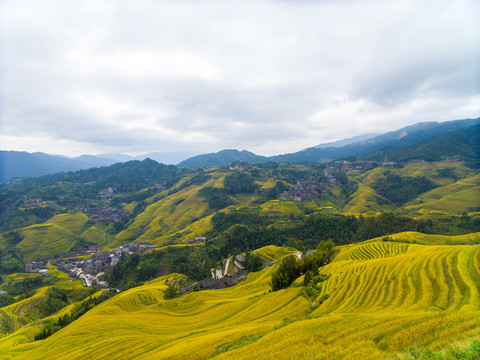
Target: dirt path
[226, 267]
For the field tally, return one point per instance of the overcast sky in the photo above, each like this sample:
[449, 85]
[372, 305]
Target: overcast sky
[271, 77]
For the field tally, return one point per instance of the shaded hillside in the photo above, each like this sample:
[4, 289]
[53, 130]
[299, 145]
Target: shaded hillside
[224, 157]
[462, 144]
[400, 138]
[21, 164]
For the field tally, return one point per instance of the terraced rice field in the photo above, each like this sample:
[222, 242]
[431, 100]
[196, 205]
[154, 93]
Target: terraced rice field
[140, 324]
[382, 297]
[274, 253]
[366, 200]
[57, 235]
[451, 199]
[172, 214]
[15, 316]
[428, 239]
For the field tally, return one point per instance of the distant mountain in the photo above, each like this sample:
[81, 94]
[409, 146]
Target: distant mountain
[117, 157]
[355, 146]
[224, 157]
[460, 144]
[400, 138]
[345, 142]
[15, 164]
[167, 157]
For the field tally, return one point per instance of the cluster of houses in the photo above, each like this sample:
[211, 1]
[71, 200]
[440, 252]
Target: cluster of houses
[106, 195]
[107, 215]
[221, 283]
[36, 267]
[306, 190]
[88, 269]
[197, 240]
[309, 190]
[34, 202]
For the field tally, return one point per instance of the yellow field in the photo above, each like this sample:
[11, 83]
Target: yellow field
[451, 199]
[172, 214]
[57, 235]
[365, 200]
[382, 298]
[16, 315]
[274, 253]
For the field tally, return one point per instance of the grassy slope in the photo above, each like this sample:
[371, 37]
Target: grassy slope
[451, 198]
[383, 297]
[58, 235]
[17, 314]
[174, 213]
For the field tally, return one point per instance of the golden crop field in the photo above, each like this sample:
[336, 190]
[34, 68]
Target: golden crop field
[451, 199]
[57, 235]
[171, 214]
[365, 200]
[379, 299]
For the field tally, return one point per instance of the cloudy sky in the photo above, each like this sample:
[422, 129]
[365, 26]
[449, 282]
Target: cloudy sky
[199, 76]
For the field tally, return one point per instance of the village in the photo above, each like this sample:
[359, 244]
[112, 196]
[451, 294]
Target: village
[91, 263]
[87, 264]
[310, 190]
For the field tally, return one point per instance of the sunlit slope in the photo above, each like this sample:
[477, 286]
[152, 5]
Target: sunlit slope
[379, 298]
[428, 169]
[383, 298]
[27, 333]
[274, 253]
[380, 276]
[451, 199]
[431, 170]
[140, 324]
[428, 239]
[171, 214]
[366, 200]
[58, 235]
[17, 315]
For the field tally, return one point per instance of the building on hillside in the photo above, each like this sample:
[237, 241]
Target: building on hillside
[200, 240]
[239, 261]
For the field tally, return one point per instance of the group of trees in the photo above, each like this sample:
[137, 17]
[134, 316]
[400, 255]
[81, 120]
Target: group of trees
[238, 231]
[239, 183]
[194, 261]
[217, 198]
[402, 189]
[290, 268]
[50, 327]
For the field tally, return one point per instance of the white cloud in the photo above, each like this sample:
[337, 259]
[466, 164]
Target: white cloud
[267, 76]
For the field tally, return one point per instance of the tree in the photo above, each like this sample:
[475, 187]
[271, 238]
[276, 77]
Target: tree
[170, 293]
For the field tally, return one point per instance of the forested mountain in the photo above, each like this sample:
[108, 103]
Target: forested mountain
[400, 138]
[460, 144]
[407, 136]
[224, 157]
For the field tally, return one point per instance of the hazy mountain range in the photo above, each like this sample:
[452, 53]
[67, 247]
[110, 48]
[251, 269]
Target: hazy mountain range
[14, 164]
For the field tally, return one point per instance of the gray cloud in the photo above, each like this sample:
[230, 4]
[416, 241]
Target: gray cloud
[267, 76]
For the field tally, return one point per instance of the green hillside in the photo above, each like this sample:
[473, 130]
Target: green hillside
[378, 299]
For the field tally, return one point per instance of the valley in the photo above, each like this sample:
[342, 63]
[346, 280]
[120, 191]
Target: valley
[237, 261]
